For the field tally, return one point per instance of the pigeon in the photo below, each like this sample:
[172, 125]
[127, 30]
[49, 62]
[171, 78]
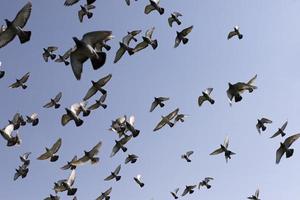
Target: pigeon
[174, 194]
[158, 101]
[154, 5]
[166, 120]
[187, 155]
[66, 184]
[234, 91]
[224, 148]
[73, 113]
[17, 121]
[114, 174]
[52, 197]
[179, 117]
[261, 124]
[128, 2]
[16, 26]
[285, 147]
[69, 165]
[97, 86]
[33, 119]
[21, 82]
[147, 40]
[181, 36]
[72, 2]
[48, 52]
[120, 145]
[281, 130]
[137, 179]
[235, 32]
[2, 73]
[88, 156]
[85, 49]
[21, 171]
[85, 10]
[51, 153]
[24, 158]
[255, 196]
[206, 97]
[63, 58]
[99, 103]
[105, 195]
[132, 158]
[174, 18]
[54, 101]
[6, 133]
[205, 183]
[124, 124]
[189, 189]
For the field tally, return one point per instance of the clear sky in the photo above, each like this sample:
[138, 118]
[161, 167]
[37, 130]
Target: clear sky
[270, 48]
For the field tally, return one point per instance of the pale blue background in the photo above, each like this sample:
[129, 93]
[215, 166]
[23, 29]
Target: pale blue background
[270, 48]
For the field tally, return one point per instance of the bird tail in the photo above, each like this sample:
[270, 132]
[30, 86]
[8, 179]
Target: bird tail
[161, 11]
[78, 122]
[52, 56]
[57, 105]
[89, 15]
[24, 36]
[142, 184]
[208, 186]
[107, 47]
[185, 40]
[94, 160]
[54, 158]
[240, 36]
[171, 124]
[161, 105]
[263, 128]
[66, 63]
[283, 134]
[154, 44]
[86, 113]
[289, 153]
[35, 122]
[118, 178]
[24, 87]
[98, 62]
[104, 106]
[72, 191]
[124, 149]
[211, 101]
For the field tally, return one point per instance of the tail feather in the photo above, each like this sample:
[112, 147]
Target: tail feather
[78, 122]
[24, 87]
[54, 158]
[24, 36]
[185, 40]
[100, 61]
[289, 153]
[89, 15]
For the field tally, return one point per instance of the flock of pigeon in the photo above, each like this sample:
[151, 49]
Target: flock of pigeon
[93, 46]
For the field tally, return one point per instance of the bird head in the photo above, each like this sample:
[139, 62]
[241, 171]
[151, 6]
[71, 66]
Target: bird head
[8, 23]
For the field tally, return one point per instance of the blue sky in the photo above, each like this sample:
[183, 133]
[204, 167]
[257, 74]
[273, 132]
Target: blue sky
[270, 49]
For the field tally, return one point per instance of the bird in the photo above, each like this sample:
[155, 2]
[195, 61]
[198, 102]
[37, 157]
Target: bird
[114, 174]
[33, 119]
[52, 197]
[285, 147]
[234, 91]
[73, 113]
[281, 130]
[85, 10]
[261, 124]
[54, 102]
[224, 148]
[120, 145]
[24, 158]
[66, 184]
[206, 97]
[2, 73]
[69, 164]
[174, 194]
[21, 171]
[51, 153]
[188, 189]
[181, 36]
[63, 58]
[48, 52]
[147, 40]
[205, 183]
[154, 5]
[235, 32]
[123, 124]
[158, 101]
[85, 49]
[72, 2]
[99, 103]
[21, 82]
[97, 86]
[6, 133]
[88, 156]
[255, 196]
[166, 120]
[187, 155]
[15, 28]
[174, 18]
[17, 121]
[131, 158]
[128, 2]
[105, 195]
[138, 180]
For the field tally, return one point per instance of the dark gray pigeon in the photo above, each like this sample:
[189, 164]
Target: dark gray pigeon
[285, 147]
[206, 97]
[166, 120]
[187, 155]
[158, 101]
[224, 149]
[24, 158]
[147, 40]
[174, 194]
[128, 2]
[33, 119]
[154, 5]
[21, 82]
[261, 124]
[105, 195]
[120, 145]
[188, 189]
[97, 86]
[99, 103]
[114, 174]
[54, 102]
[281, 130]
[66, 185]
[255, 196]
[235, 32]
[51, 153]
[174, 18]
[48, 52]
[205, 183]
[17, 121]
[16, 26]
[63, 58]
[138, 180]
[85, 10]
[131, 158]
[69, 165]
[72, 2]
[88, 156]
[73, 113]
[181, 36]
[22, 171]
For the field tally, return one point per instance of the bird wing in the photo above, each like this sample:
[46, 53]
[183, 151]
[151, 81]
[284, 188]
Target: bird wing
[58, 97]
[170, 21]
[95, 149]
[102, 82]
[208, 91]
[119, 54]
[80, 15]
[275, 134]
[290, 140]
[56, 146]
[201, 99]
[80, 161]
[185, 192]
[258, 127]
[226, 142]
[127, 2]
[108, 191]
[114, 150]
[117, 170]
[25, 77]
[94, 106]
[251, 81]
[71, 178]
[6, 36]
[257, 193]
[160, 125]
[52, 48]
[96, 37]
[65, 119]
[77, 59]
[265, 120]
[172, 114]
[70, 2]
[187, 30]
[217, 151]
[279, 154]
[92, 91]
[23, 16]
[177, 41]
[45, 155]
[153, 105]
[135, 32]
[67, 53]
[189, 153]
[149, 32]
[148, 9]
[103, 97]
[177, 14]
[109, 178]
[231, 34]
[140, 46]
[284, 125]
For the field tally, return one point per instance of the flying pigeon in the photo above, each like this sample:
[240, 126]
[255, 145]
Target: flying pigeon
[261, 124]
[174, 18]
[6, 133]
[166, 120]
[114, 174]
[255, 196]
[179, 117]
[235, 32]
[85, 10]
[54, 102]
[205, 183]
[21, 171]
[132, 158]
[69, 165]
[73, 113]
[105, 195]
[154, 5]
[48, 52]
[224, 148]
[33, 119]
[72, 2]
[66, 184]
[16, 26]
[63, 58]
[88, 156]
[97, 86]
[174, 194]
[138, 180]
[24, 158]
[206, 97]
[187, 155]
[99, 103]
[120, 145]
[285, 147]
[51, 153]
[281, 130]
[181, 36]
[147, 40]
[189, 189]
[128, 2]
[21, 82]
[17, 121]
[158, 101]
